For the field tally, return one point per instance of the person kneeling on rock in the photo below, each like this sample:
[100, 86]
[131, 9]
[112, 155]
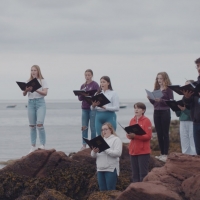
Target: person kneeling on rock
[108, 161]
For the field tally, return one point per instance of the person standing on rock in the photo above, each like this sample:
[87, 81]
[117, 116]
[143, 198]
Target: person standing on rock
[194, 103]
[106, 113]
[162, 115]
[139, 147]
[88, 115]
[36, 108]
[108, 161]
[186, 128]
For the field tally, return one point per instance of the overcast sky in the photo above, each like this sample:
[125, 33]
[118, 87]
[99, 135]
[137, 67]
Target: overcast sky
[130, 41]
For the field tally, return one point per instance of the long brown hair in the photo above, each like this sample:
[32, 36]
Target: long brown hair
[109, 125]
[166, 80]
[88, 70]
[106, 78]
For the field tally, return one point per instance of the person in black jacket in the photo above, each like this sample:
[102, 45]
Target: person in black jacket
[194, 103]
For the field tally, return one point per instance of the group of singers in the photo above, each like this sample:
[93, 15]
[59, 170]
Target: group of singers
[102, 121]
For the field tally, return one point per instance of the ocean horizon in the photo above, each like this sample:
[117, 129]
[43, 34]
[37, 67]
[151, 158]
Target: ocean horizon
[62, 125]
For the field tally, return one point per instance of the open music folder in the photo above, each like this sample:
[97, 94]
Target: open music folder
[99, 97]
[136, 128]
[33, 83]
[195, 88]
[97, 142]
[173, 104]
[156, 94]
[83, 92]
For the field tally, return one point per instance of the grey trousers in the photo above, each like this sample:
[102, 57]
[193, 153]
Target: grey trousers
[140, 167]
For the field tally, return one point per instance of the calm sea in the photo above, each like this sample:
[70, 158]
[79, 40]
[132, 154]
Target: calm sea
[62, 124]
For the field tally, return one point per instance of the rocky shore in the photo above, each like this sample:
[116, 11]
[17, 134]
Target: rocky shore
[51, 174]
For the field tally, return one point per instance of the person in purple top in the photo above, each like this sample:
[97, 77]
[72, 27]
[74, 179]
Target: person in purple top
[87, 113]
[162, 115]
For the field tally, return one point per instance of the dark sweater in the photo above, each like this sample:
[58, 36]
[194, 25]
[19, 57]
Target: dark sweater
[194, 104]
[161, 105]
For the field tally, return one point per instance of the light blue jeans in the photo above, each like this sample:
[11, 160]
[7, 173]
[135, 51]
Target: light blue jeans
[107, 180]
[88, 115]
[103, 117]
[36, 115]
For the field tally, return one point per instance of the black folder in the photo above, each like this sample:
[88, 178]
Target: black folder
[33, 83]
[173, 104]
[97, 142]
[99, 97]
[190, 87]
[136, 128]
[83, 92]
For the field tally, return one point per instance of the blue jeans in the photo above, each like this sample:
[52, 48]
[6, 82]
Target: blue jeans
[107, 180]
[196, 135]
[103, 117]
[36, 115]
[88, 115]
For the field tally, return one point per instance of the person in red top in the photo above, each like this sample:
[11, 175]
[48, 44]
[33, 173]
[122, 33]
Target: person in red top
[139, 147]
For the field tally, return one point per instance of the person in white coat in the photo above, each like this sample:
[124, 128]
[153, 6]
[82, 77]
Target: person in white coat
[108, 161]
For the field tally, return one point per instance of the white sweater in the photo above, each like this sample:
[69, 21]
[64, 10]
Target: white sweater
[114, 101]
[108, 160]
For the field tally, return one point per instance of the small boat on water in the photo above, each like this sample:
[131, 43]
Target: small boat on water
[11, 106]
[122, 105]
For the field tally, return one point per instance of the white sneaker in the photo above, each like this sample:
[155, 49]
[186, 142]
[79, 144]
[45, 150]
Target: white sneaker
[42, 147]
[158, 157]
[163, 158]
[32, 149]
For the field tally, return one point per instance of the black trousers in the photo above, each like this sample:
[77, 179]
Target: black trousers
[162, 120]
[140, 167]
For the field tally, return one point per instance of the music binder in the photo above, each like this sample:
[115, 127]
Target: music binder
[97, 142]
[190, 87]
[173, 104]
[156, 94]
[136, 128]
[34, 83]
[83, 92]
[99, 97]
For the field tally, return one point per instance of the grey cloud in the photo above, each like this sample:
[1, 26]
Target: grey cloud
[96, 27]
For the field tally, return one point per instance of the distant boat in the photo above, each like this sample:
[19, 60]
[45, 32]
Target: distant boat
[11, 106]
[122, 105]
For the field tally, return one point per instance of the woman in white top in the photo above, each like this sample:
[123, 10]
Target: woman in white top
[106, 113]
[37, 108]
[108, 160]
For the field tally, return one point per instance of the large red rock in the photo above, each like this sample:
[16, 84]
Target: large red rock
[175, 180]
[191, 187]
[148, 191]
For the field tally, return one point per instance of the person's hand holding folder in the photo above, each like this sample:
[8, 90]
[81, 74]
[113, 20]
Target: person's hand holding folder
[95, 103]
[96, 150]
[181, 107]
[187, 94]
[130, 135]
[28, 89]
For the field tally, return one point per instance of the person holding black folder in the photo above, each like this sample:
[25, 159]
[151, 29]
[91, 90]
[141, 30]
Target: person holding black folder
[36, 108]
[194, 102]
[186, 128]
[162, 115]
[108, 161]
[139, 147]
[88, 115]
[106, 113]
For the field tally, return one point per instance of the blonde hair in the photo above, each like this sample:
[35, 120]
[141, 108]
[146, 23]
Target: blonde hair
[109, 125]
[166, 80]
[40, 77]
